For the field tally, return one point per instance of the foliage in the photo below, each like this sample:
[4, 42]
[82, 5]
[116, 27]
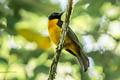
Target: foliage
[24, 54]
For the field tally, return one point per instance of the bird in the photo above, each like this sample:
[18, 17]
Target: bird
[71, 44]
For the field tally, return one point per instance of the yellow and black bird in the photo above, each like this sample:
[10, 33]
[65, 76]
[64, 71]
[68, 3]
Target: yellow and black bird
[72, 43]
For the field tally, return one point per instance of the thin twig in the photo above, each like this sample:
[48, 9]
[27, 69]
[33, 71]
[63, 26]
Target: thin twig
[52, 73]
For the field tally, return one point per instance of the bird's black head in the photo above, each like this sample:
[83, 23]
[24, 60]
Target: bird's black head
[55, 15]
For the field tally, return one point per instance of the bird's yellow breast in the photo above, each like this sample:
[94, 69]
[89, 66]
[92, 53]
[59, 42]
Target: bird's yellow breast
[54, 30]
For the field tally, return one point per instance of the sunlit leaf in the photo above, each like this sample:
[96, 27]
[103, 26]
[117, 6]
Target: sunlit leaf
[42, 41]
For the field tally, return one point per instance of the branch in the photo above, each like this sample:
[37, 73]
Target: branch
[52, 73]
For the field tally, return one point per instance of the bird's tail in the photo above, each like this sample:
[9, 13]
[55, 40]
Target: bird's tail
[83, 60]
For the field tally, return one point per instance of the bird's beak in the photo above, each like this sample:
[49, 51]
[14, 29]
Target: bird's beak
[60, 14]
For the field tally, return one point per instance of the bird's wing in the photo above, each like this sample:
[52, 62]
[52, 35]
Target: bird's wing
[71, 34]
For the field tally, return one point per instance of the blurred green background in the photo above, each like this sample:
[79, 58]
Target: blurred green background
[26, 52]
